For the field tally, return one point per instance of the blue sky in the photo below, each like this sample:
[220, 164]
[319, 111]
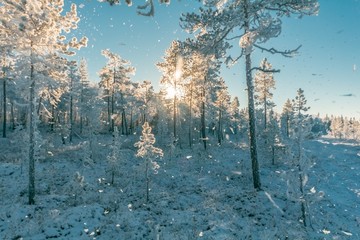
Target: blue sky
[327, 67]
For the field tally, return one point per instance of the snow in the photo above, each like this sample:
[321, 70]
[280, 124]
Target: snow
[196, 195]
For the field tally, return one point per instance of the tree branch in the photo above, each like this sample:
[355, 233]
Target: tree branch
[265, 70]
[286, 53]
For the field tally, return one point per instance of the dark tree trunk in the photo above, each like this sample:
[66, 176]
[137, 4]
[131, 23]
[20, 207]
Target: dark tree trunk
[32, 138]
[219, 127]
[203, 126]
[131, 122]
[124, 125]
[265, 114]
[109, 111]
[147, 180]
[251, 109]
[174, 116]
[190, 118]
[52, 123]
[4, 108]
[12, 116]
[287, 125]
[112, 123]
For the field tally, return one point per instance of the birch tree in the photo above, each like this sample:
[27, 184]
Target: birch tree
[251, 22]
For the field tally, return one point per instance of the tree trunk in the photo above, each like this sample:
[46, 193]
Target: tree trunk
[52, 123]
[32, 138]
[112, 123]
[4, 108]
[251, 109]
[81, 107]
[109, 111]
[71, 119]
[124, 125]
[301, 177]
[219, 128]
[147, 180]
[203, 127]
[131, 122]
[174, 118]
[39, 106]
[287, 125]
[12, 116]
[190, 118]
[265, 114]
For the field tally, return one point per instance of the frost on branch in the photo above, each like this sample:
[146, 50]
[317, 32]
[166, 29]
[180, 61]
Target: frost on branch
[247, 41]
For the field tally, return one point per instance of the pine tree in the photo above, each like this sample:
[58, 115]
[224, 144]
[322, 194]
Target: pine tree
[301, 126]
[144, 93]
[287, 116]
[222, 103]
[264, 83]
[36, 28]
[6, 65]
[258, 22]
[235, 115]
[149, 153]
[115, 80]
[114, 156]
[85, 94]
[172, 75]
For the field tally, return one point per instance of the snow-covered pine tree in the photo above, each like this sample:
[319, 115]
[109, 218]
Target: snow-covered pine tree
[222, 104]
[264, 84]
[74, 88]
[144, 94]
[114, 156]
[257, 21]
[195, 94]
[287, 117]
[302, 127]
[149, 153]
[235, 115]
[86, 95]
[115, 80]
[37, 28]
[7, 65]
[172, 76]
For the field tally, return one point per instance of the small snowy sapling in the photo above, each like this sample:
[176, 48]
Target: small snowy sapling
[148, 152]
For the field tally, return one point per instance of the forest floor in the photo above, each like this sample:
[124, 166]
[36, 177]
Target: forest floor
[196, 194]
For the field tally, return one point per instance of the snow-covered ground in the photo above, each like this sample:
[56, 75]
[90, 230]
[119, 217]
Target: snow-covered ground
[196, 194]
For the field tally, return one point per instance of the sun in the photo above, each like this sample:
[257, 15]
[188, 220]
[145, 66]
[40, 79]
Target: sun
[171, 92]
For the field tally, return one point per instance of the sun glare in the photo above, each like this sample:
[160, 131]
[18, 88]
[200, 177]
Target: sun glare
[171, 92]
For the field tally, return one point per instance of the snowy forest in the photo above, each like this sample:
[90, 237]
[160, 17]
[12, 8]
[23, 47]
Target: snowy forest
[121, 159]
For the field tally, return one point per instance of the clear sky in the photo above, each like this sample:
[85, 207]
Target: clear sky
[327, 68]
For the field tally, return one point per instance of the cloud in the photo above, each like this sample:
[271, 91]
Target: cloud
[348, 95]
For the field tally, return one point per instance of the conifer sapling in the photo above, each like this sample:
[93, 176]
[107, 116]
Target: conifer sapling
[148, 152]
